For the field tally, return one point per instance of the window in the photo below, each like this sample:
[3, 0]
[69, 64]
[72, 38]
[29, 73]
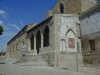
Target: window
[46, 37]
[92, 44]
[61, 8]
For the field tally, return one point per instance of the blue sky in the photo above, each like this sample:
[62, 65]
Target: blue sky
[15, 14]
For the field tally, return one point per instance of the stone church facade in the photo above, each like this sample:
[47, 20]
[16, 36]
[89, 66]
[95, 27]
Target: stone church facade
[57, 39]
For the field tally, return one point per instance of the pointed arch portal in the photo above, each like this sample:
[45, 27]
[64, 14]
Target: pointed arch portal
[32, 42]
[46, 37]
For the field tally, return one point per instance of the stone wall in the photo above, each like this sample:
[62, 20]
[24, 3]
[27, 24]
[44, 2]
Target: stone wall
[48, 54]
[90, 22]
[41, 28]
[48, 14]
[70, 6]
[86, 4]
[74, 6]
[70, 60]
[14, 48]
[90, 30]
[65, 23]
[91, 57]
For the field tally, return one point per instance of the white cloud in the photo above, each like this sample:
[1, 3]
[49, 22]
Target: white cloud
[3, 47]
[3, 14]
[21, 22]
[9, 34]
[1, 22]
[5, 38]
[16, 27]
[4, 26]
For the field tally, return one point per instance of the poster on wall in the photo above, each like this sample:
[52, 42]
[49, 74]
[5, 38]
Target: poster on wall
[24, 49]
[71, 43]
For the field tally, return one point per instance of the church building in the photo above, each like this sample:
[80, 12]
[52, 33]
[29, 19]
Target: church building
[69, 36]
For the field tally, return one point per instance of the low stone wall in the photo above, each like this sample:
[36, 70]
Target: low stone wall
[2, 58]
[46, 49]
[48, 55]
[69, 60]
[31, 60]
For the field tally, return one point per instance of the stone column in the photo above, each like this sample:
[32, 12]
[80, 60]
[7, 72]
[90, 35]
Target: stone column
[11, 50]
[35, 51]
[41, 40]
[14, 50]
[20, 48]
[7, 52]
[17, 48]
[28, 45]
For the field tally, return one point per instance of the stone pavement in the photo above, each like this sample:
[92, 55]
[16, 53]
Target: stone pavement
[7, 68]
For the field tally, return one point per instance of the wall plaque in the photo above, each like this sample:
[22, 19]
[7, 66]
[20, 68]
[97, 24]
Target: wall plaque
[71, 43]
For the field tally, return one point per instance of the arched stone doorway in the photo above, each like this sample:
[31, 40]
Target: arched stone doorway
[38, 41]
[46, 37]
[32, 42]
[61, 8]
[71, 41]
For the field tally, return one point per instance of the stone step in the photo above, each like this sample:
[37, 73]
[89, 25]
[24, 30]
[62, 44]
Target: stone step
[35, 60]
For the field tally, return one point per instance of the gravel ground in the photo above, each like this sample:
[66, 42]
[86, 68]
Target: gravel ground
[7, 68]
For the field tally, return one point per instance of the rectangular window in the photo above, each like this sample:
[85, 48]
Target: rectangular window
[92, 44]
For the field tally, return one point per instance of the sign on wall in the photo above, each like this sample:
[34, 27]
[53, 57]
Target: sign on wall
[71, 43]
[24, 49]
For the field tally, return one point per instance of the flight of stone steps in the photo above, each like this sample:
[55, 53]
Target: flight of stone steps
[35, 60]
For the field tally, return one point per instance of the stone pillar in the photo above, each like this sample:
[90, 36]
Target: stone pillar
[20, 48]
[11, 52]
[14, 49]
[28, 45]
[41, 40]
[17, 48]
[7, 52]
[35, 51]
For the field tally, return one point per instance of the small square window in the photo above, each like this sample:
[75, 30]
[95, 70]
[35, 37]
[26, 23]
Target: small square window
[92, 44]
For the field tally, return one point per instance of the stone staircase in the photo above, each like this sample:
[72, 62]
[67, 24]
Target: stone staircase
[34, 60]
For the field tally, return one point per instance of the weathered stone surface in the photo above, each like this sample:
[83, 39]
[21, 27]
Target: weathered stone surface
[50, 38]
[90, 30]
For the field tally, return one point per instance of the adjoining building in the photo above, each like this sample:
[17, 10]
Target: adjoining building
[57, 39]
[90, 33]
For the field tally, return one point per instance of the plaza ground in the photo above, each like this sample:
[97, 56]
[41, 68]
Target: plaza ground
[7, 68]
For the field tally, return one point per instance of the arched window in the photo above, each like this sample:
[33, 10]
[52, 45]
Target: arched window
[61, 8]
[46, 37]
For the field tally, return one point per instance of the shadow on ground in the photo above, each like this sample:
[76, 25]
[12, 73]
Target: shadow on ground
[2, 63]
